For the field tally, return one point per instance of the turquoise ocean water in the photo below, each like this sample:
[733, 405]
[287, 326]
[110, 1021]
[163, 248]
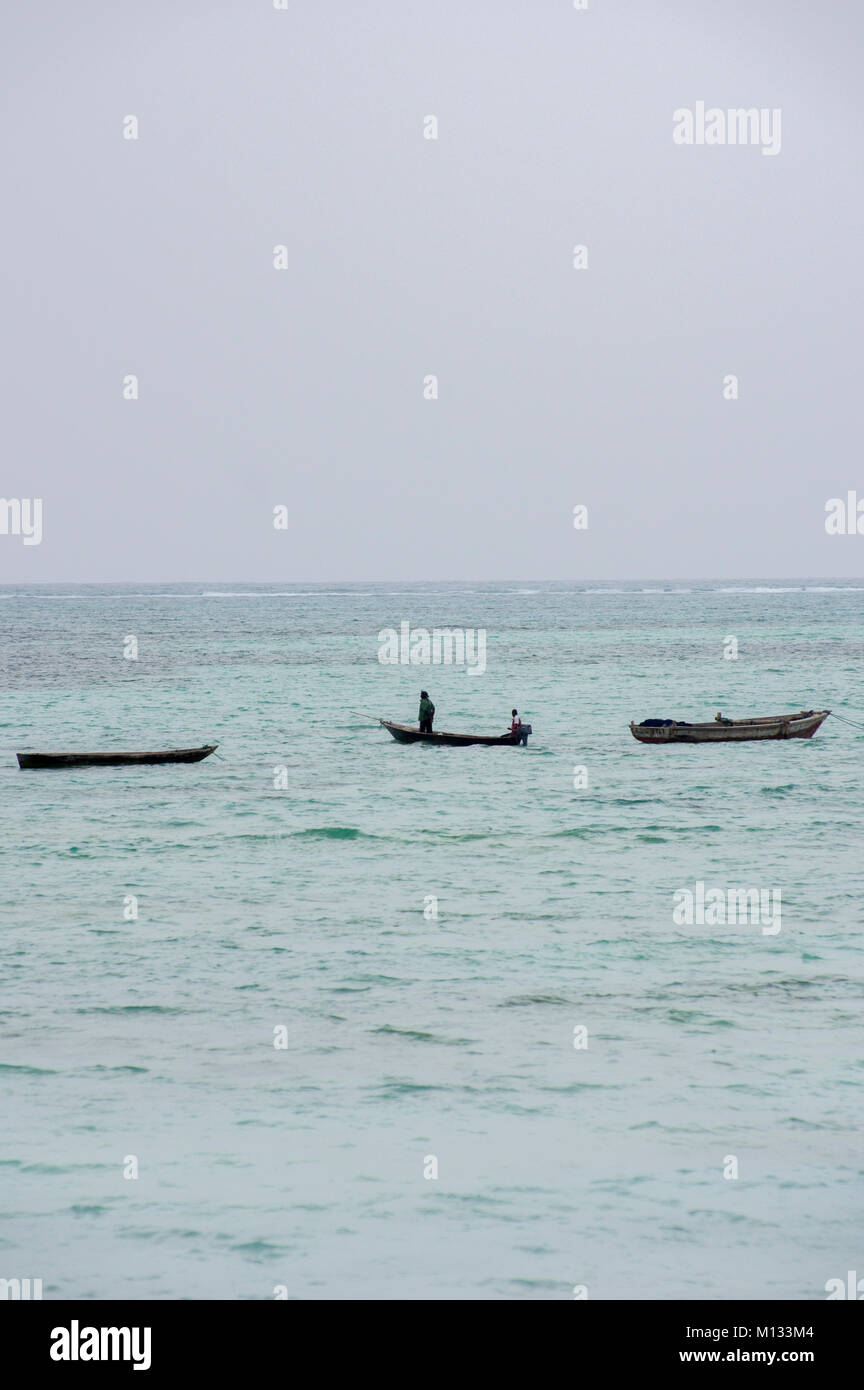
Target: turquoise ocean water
[408, 1038]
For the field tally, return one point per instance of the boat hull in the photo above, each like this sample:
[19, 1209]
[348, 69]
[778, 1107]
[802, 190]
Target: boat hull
[167, 755]
[801, 725]
[404, 733]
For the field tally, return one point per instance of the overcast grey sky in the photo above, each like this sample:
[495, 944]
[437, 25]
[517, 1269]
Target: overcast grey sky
[409, 257]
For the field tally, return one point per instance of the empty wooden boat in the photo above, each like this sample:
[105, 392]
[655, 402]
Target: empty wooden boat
[406, 733]
[801, 725]
[167, 755]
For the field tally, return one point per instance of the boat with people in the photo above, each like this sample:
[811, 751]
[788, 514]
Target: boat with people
[423, 732]
[166, 755]
[409, 733]
[721, 730]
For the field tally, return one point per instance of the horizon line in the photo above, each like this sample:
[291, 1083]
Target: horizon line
[319, 583]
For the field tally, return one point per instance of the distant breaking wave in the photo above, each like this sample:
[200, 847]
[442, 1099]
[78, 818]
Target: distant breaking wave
[796, 589]
[264, 593]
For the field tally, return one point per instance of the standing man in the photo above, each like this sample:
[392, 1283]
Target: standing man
[427, 713]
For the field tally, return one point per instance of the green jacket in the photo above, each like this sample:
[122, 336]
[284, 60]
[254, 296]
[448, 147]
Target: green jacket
[427, 709]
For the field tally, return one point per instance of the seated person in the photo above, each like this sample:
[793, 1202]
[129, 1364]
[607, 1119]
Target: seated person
[516, 728]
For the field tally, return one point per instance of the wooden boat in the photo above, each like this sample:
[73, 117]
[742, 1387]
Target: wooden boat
[801, 725]
[406, 733]
[168, 755]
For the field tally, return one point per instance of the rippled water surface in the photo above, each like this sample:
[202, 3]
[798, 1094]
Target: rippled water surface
[302, 914]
